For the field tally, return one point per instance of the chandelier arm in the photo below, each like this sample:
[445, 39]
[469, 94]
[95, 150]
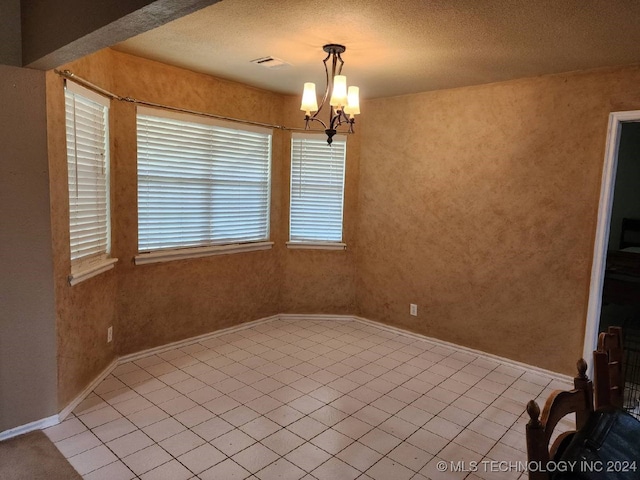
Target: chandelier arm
[327, 89]
[338, 56]
[334, 72]
[313, 119]
[341, 119]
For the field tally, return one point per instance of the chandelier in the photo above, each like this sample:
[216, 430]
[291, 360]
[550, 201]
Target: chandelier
[342, 101]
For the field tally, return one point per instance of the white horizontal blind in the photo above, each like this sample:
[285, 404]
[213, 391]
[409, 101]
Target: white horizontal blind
[200, 182]
[87, 127]
[317, 188]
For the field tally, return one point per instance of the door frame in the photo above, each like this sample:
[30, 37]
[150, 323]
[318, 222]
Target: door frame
[616, 119]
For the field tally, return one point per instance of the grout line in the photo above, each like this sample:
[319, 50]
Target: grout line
[324, 385]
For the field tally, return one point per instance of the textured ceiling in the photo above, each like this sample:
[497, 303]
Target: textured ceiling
[397, 47]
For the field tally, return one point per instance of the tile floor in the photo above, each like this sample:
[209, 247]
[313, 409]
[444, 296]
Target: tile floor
[292, 399]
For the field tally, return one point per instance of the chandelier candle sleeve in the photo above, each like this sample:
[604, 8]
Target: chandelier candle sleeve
[353, 102]
[342, 101]
[339, 94]
[309, 100]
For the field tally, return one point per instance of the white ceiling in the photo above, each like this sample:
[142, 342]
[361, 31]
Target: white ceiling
[397, 47]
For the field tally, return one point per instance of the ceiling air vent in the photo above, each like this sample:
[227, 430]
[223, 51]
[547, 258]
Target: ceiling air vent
[270, 62]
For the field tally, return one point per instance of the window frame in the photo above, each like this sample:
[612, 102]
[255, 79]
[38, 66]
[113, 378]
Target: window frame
[87, 266]
[316, 243]
[176, 252]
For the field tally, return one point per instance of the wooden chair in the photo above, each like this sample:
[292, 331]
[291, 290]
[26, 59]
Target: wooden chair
[540, 429]
[608, 375]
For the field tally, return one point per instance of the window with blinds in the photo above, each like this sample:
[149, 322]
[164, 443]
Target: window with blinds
[87, 128]
[201, 182]
[317, 188]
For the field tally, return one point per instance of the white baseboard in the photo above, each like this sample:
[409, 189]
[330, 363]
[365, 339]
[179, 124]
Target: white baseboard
[30, 427]
[507, 361]
[480, 353]
[316, 317]
[189, 341]
[87, 390]
[55, 419]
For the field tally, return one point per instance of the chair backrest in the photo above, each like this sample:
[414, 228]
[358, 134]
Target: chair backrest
[560, 403]
[608, 374]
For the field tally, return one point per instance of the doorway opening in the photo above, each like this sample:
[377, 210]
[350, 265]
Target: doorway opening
[614, 297]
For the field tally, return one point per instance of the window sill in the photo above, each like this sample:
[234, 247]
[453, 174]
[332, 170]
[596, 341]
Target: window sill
[91, 269]
[317, 245]
[181, 254]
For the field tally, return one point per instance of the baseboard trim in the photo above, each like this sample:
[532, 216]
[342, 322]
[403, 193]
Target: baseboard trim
[87, 390]
[55, 419]
[29, 427]
[190, 341]
[316, 317]
[507, 361]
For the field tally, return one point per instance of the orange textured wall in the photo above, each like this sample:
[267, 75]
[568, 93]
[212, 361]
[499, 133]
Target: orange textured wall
[152, 305]
[161, 303]
[319, 281]
[85, 311]
[479, 204]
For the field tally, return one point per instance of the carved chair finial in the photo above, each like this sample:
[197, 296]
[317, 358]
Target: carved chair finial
[534, 413]
[582, 368]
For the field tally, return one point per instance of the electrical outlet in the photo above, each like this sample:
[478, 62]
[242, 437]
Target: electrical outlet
[109, 334]
[413, 309]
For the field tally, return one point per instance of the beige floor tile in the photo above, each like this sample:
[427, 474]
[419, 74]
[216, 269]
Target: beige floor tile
[292, 399]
